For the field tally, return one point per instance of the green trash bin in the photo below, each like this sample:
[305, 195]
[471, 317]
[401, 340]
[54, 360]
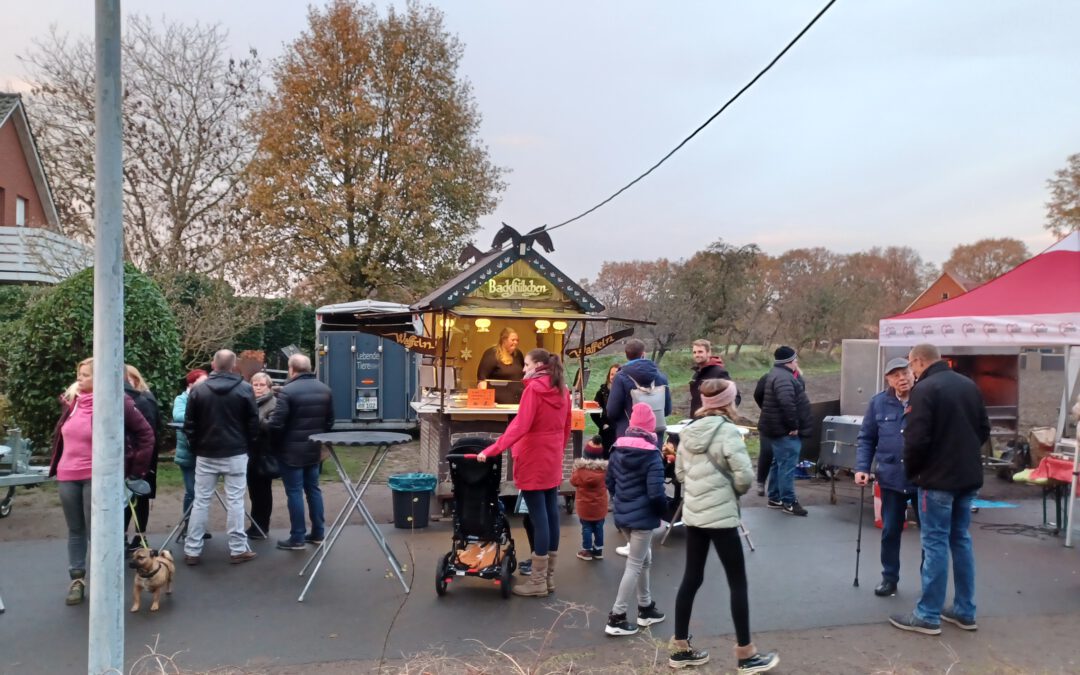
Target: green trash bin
[412, 499]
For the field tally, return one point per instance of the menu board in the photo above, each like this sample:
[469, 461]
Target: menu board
[480, 398]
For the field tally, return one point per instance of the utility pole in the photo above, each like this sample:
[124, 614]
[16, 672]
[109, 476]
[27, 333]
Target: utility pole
[106, 581]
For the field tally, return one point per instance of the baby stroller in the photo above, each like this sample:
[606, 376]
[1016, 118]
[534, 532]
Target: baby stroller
[482, 545]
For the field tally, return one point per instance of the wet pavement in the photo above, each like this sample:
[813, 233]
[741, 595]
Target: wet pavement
[247, 615]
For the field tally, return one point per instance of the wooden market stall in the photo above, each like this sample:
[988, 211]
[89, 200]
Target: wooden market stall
[512, 289]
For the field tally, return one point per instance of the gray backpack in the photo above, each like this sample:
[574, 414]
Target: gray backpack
[654, 396]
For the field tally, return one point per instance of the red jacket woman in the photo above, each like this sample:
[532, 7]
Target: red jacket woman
[538, 436]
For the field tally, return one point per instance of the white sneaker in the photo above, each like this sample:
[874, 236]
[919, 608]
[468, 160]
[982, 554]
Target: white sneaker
[624, 551]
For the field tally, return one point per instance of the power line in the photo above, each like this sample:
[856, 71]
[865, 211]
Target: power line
[707, 122]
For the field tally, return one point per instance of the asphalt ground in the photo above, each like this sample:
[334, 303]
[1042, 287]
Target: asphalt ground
[247, 616]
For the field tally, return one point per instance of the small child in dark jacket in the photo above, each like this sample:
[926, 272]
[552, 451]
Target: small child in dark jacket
[591, 498]
[635, 479]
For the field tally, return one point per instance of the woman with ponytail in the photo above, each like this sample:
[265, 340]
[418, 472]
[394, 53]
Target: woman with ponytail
[537, 439]
[715, 471]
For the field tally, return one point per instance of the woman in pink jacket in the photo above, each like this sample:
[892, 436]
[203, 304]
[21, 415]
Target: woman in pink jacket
[538, 436]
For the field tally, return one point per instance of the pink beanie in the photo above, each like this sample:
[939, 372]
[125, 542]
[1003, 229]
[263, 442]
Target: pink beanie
[642, 417]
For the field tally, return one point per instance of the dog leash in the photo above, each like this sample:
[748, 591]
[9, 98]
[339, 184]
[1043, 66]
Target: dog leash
[135, 519]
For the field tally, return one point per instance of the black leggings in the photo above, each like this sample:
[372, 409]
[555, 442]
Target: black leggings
[764, 462]
[729, 547]
[544, 514]
[527, 524]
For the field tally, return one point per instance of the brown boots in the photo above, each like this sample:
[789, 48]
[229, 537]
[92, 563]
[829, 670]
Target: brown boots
[552, 556]
[536, 584]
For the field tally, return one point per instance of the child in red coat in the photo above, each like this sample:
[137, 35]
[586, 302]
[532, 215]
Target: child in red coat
[591, 498]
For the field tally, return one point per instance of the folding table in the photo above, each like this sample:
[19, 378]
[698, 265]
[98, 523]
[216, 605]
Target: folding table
[382, 440]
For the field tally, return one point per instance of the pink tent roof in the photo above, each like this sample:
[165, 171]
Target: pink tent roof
[1037, 303]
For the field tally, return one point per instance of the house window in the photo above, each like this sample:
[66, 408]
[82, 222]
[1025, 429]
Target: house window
[944, 296]
[20, 211]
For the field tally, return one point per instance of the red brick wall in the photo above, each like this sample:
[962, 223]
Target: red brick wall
[16, 181]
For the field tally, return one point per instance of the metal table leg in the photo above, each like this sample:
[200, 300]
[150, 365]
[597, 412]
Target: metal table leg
[367, 474]
[355, 502]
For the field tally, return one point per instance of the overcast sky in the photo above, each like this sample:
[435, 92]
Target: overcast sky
[919, 122]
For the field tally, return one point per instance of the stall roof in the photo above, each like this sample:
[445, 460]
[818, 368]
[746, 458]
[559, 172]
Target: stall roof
[490, 264]
[363, 307]
[1037, 303]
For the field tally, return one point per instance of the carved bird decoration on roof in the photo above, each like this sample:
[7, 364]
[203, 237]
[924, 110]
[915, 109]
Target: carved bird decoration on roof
[469, 254]
[538, 235]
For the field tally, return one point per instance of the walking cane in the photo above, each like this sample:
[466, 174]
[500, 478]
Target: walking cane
[858, 540]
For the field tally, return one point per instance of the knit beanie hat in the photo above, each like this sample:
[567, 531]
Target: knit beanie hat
[784, 355]
[594, 449]
[642, 417]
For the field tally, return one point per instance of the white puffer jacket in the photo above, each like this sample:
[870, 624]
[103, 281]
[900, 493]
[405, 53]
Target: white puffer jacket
[715, 470]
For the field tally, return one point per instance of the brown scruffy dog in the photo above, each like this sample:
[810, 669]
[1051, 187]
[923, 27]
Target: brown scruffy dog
[153, 571]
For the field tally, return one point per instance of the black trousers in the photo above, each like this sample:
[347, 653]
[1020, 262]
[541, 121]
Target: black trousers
[261, 493]
[728, 546]
[764, 461]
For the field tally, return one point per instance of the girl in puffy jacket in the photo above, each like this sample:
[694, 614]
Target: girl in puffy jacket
[635, 480]
[712, 464]
[537, 437]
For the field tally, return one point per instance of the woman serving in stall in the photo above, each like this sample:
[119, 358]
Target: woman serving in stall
[503, 362]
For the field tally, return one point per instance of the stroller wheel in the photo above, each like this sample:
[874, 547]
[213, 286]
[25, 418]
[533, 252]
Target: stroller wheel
[440, 577]
[506, 576]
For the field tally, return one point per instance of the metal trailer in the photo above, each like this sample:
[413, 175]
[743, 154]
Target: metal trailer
[373, 378]
[15, 470]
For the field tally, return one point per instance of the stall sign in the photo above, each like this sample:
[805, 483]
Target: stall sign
[480, 398]
[413, 342]
[577, 420]
[516, 288]
[597, 345]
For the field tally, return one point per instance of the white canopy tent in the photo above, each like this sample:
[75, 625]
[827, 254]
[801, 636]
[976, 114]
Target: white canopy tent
[1037, 304]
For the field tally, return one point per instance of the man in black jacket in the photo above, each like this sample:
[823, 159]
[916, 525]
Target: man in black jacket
[304, 407]
[946, 428]
[785, 420]
[221, 422]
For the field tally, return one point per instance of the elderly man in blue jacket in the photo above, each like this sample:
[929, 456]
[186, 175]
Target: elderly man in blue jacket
[881, 438]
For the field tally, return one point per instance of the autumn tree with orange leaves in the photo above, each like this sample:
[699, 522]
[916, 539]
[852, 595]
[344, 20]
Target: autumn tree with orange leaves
[369, 175]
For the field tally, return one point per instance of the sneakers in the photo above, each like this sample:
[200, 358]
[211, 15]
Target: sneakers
[598, 554]
[312, 539]
[910, 622]
[684, 655]
[585, 554]
[964, 624]
[243, 557]
[76, 592]
[290, 545]
[624, 551]
[647, 616]
[885, 589]
[761, 489]
[794, 509]
[774, 504]
[618, 625]
[525, 568]
[758, 663]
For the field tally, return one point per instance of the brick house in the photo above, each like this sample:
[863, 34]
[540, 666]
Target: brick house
[32, 246]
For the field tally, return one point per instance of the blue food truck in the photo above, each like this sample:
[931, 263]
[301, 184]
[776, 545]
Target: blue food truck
[372, 377]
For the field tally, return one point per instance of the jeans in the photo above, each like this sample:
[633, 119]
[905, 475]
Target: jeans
[782, 474]
[893, 509]
[592, 534]
[544, 513]
[636, 574]
[207, 470]
[188, 474]
[75, 501]
[301, 481]
[944, 521]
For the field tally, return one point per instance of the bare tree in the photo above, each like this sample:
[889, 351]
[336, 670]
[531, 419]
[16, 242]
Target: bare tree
[185, 106]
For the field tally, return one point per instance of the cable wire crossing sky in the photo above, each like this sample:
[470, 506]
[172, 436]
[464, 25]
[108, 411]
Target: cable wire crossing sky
[917, 123]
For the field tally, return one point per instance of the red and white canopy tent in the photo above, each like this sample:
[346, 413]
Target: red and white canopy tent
[1037, 304]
